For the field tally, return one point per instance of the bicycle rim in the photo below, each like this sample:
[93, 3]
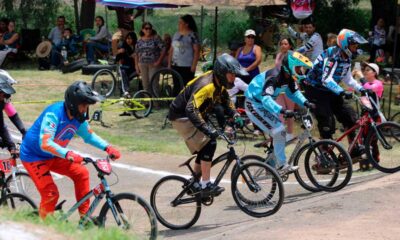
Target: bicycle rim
[300, 174]
[145, 106]
[383, 151]
[17, 201]
[257, 189]
[132, 214]
[22, 183]
[174, 207]
[328, 165]
[104, 82]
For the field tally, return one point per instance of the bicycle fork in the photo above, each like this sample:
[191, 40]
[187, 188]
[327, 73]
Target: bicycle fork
[381, 138]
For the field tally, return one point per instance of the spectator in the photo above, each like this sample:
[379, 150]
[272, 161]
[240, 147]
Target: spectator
[101, 41]
[185, 50]
[378, 39]
[312, 41]
[250, 55]
[150, 52]
[369, 78]
[69, 41]
[167, 43]
[126, 58]
[56, 33]
[125, 20]
[331, 40]
[285, 45]
[3, 30]
[10, 41]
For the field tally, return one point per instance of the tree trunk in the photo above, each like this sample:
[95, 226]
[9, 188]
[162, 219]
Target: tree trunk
[76, 13]
[385, 9]
[87, 13]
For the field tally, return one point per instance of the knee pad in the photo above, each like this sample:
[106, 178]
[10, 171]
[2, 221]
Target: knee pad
[207, 152]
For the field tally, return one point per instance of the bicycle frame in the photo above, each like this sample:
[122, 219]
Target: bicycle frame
[133, 104]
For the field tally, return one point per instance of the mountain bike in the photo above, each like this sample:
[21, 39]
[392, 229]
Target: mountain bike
[177, 201]
[308, 148]
[12, 200]
[127, 211]
[104, 82]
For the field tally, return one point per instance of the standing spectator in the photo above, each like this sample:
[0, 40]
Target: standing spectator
[10, 41]
[125, 20]
[185, 51]
[100, 41]
[126, 57]
[331, 40]
[312, 41]
[250, 55]
[150, 52]
[168, 44]
[285, 45]
[378, 39]
[369, 78]
[56, 33]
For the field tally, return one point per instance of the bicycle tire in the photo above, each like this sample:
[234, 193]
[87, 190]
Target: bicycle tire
[250, 206]
[307, 185]
[14, 199]
[25, 185]
[106, 86]
[388, 164]
[147, 216]
[170, 86]
[148, 105]
[334, 169]
[172, 193]
[245, 158]
[395, 118]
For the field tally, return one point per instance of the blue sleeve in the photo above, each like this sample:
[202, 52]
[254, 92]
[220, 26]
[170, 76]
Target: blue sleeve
[87, 134]
[328, 70]
[296, 97]
[48, 130]
[271, 105]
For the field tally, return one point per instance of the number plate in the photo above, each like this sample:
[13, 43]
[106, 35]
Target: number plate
[7, 164]
[307, 121]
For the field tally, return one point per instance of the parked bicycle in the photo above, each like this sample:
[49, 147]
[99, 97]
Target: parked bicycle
[323, 152]
[125, 210]
[8, 199]
[166, 83]
[177, 200]
[105, 82]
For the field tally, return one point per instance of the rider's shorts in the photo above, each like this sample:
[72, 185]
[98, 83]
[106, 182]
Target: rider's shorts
[195, 139]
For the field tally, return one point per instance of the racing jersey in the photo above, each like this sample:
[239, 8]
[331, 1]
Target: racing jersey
[266, 87]
[330, 69]
[198, 98]
[52, 131]
[312, 45]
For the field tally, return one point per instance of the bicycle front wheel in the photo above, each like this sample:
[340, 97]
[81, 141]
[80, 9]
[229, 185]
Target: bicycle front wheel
[17, 201]
[142, 103]
[301, 174]
[166, 82]
[131, 213]
[104, 82]
[257, 189]
[173, 204]
[23, 183]
[382, 147]
[328, 165]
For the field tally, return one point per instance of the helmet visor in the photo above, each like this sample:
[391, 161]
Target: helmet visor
[7, 88]
[358, 39]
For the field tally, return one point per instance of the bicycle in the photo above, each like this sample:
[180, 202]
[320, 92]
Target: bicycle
[12, 200]
[142, 223]
[104, 82]
[177, 200]
[312, 146]
[166, 83]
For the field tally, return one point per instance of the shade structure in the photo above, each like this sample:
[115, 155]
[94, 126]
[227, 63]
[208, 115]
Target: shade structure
[138, 4]
[220, 3]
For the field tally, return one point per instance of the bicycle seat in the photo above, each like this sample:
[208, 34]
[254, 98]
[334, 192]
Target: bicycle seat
[187, 162]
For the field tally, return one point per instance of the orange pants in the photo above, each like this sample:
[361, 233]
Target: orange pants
[40, 174]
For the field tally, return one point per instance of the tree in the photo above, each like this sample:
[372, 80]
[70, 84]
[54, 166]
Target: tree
[385, 9]
[87, 13]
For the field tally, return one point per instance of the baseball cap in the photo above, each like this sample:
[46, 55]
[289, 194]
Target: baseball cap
[374, 66]
[249, 32]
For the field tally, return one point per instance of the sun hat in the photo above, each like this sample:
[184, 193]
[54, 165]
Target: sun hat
[43, 49]
[249, 32]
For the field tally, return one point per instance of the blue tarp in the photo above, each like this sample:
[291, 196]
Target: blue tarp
[141, 4]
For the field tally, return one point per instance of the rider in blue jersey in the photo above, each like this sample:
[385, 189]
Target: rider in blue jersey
[322, 85]
[44, 147]
[263, 110]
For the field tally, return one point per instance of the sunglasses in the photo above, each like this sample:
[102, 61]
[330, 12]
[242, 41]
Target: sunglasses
[250, 36]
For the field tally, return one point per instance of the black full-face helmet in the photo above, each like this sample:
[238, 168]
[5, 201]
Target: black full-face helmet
[228, 64]
[80, 93]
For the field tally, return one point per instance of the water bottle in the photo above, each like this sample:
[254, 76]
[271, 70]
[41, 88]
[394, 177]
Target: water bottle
[64, 53]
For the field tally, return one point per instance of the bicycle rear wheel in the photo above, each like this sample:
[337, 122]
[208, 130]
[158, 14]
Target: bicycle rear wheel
[382, 147]
[175, 208]
[23, 183]
[328, 165]
[166, 82]
[257, 189]
[104, 82]
[131, 213]
[143, 103]
[17, 201]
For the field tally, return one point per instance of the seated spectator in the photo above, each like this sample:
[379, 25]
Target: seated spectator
[126, 57]
[10, 41]
[69, 41]
[3, 30]
[55, 37]
[101, 41]
[150, 52]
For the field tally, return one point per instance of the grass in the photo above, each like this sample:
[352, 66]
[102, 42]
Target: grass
[69, 230]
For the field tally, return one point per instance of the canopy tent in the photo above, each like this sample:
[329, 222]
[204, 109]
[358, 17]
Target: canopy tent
[139, 4]
[217, 3]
